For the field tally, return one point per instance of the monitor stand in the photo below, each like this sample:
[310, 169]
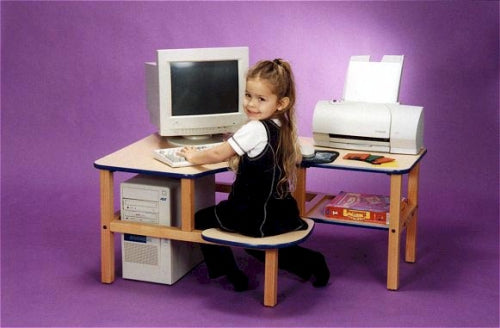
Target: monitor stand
[180, 141]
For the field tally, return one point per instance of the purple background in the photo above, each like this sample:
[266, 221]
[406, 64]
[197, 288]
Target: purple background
[72, 88]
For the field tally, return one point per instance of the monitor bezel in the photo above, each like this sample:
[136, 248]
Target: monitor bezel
[203, 124]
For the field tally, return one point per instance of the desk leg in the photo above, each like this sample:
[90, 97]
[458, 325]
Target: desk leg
[107, 237]
[300, 190]
[411, 229]
[271, 278]
[187, 204]
[394, 233]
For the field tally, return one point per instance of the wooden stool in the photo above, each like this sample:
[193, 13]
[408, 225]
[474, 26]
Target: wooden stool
[269, 244]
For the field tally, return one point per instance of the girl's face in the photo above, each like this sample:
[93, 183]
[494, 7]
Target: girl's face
[260, 102]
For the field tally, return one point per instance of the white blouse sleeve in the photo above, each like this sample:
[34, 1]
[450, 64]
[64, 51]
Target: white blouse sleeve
[251, 139]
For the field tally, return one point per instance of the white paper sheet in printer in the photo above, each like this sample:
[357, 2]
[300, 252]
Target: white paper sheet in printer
[369, 118]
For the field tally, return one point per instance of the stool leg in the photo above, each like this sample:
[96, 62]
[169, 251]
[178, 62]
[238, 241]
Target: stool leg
[271, 278]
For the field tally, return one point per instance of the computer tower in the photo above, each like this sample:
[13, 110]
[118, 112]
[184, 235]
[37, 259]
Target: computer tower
[156, 200]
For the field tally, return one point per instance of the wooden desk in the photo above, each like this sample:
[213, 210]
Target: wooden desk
[138, 158]
[401, 217]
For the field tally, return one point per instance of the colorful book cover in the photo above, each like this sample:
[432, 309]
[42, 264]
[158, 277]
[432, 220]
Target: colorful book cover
[359, 207]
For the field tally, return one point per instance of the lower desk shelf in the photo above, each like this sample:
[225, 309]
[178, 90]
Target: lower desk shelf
[315, 210]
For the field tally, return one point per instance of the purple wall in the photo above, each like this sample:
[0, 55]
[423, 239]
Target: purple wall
[73, 91]
[73, 80]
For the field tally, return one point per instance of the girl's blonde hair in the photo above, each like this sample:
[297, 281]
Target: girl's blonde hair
[278, 74]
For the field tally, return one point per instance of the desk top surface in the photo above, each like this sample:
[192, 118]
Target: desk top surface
[138, 158]
[402, 164]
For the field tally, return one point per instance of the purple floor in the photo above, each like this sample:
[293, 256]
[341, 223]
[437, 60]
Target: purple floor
[50, 277]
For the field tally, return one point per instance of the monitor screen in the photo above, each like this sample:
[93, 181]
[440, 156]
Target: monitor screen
[200, 88]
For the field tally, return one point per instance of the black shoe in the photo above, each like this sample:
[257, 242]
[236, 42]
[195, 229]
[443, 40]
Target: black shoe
[320, 271]
[215, 275]
[239, 280]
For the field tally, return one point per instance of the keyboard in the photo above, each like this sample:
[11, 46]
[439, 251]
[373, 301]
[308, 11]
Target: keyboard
[169, 155]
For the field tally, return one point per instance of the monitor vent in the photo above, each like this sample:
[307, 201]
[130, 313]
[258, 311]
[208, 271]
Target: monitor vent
[140, 253]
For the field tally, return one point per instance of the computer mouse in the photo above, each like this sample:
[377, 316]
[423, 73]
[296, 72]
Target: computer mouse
[306, 149]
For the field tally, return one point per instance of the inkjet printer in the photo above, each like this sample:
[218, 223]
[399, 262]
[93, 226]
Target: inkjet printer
[370, 118]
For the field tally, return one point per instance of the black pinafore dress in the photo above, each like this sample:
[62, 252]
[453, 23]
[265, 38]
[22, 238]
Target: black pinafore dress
[253, 207]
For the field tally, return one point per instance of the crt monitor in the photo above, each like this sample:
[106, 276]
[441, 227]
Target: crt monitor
[194, 96]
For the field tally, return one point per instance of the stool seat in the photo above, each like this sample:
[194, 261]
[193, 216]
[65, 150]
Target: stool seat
[270, 244]
[287, 239]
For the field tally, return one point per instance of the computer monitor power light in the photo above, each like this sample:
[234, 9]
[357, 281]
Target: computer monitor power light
[194, 96]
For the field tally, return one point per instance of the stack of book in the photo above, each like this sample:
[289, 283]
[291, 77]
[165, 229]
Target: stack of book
[358, 207]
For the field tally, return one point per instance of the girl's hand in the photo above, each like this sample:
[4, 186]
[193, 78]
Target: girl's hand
[187, 152]
[211, 155]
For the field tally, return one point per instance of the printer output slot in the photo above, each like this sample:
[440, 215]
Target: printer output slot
[359, 143]
[350, 137]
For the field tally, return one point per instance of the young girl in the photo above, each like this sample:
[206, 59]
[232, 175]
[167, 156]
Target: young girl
[264, 153]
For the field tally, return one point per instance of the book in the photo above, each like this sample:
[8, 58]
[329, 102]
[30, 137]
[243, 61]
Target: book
[366, 208]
